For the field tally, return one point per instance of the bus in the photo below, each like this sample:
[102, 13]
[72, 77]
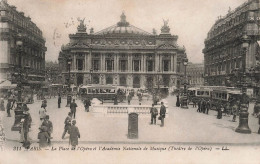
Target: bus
[225, 95]
[101, 92]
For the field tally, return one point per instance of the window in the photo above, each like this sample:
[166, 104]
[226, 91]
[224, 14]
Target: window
[95, 65]
[150, 66]
[166, 65]
[123, 65]
[80, 64]
[136, 65]
[109, 65]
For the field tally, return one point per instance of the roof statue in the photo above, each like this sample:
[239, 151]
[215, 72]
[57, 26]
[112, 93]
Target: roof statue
[229, 10]
[165, 28]
[82, 27]
[123, 21]
[91, 31]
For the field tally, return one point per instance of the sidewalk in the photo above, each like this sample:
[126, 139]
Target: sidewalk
[182, 126]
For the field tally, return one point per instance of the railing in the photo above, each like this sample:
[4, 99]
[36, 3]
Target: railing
[143, 110]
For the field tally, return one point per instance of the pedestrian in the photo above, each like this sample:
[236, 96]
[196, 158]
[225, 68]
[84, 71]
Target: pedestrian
[199, 106]
[59, 101]
[208, 106]
[47, 123]
[74, 134]
[2, 105]
[162, 113]
[203, 105]
[87, 104]
[194, 105]
[24, 131]
[43, 137]
[73, 107]
[178, 101]
[44, 104]
[154, 113]
[115, 100]
[227, 109]
[9, 107]
[42, 113]
[235, 111]
[220, 111]
[67, 125]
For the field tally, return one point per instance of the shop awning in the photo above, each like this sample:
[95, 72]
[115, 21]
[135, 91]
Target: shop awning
[7, 85]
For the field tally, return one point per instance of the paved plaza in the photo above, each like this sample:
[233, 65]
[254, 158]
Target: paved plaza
[181, 126]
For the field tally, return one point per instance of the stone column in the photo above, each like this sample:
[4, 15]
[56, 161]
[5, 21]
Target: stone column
[175, 63]
[142, 62]
[74, 62]
[172, 65]
[85, 62]
[130, 62]
[156, 62]
[145, 55]
[90, 61]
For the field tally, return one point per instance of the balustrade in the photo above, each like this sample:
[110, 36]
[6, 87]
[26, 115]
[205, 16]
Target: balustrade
[124, 109]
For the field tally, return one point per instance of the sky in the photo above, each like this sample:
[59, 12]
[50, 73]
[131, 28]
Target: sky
[189, 19]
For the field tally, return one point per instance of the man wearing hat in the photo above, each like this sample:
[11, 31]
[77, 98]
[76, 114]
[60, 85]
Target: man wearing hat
[67, 123]
[47, 123]
[74, 134]
[73, 107]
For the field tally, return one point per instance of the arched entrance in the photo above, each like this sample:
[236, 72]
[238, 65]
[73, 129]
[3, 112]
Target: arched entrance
[149, 83]
[79, 80]
[109, 80]
[166, 80]
[136, 82]
[122, 81]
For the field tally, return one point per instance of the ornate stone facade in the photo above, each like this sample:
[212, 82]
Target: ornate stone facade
[195, 73]
[123, 55]
[232, 43]
[13, 22]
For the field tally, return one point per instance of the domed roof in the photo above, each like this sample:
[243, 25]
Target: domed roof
[122, 27]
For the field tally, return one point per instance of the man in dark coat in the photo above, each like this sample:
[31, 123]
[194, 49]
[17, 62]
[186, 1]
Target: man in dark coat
[154, 113]
[199, 106]
[47, 123]
[9, 107]
[43, 137]
[73, 107]
[162, 114]
[87, 103]
[74, 134]
[67, 123]
[208, 106]
[59, 101]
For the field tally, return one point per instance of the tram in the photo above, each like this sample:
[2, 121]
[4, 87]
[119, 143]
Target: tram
[101, 92]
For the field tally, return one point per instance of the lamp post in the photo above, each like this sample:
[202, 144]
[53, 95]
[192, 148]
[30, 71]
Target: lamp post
[18, 110]
[243, 115]
[184, 103]
[69, 90]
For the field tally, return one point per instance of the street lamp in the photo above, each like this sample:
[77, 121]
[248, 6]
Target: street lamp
[243, 115]
[18, 110]
[184, 103]
[69, 90]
